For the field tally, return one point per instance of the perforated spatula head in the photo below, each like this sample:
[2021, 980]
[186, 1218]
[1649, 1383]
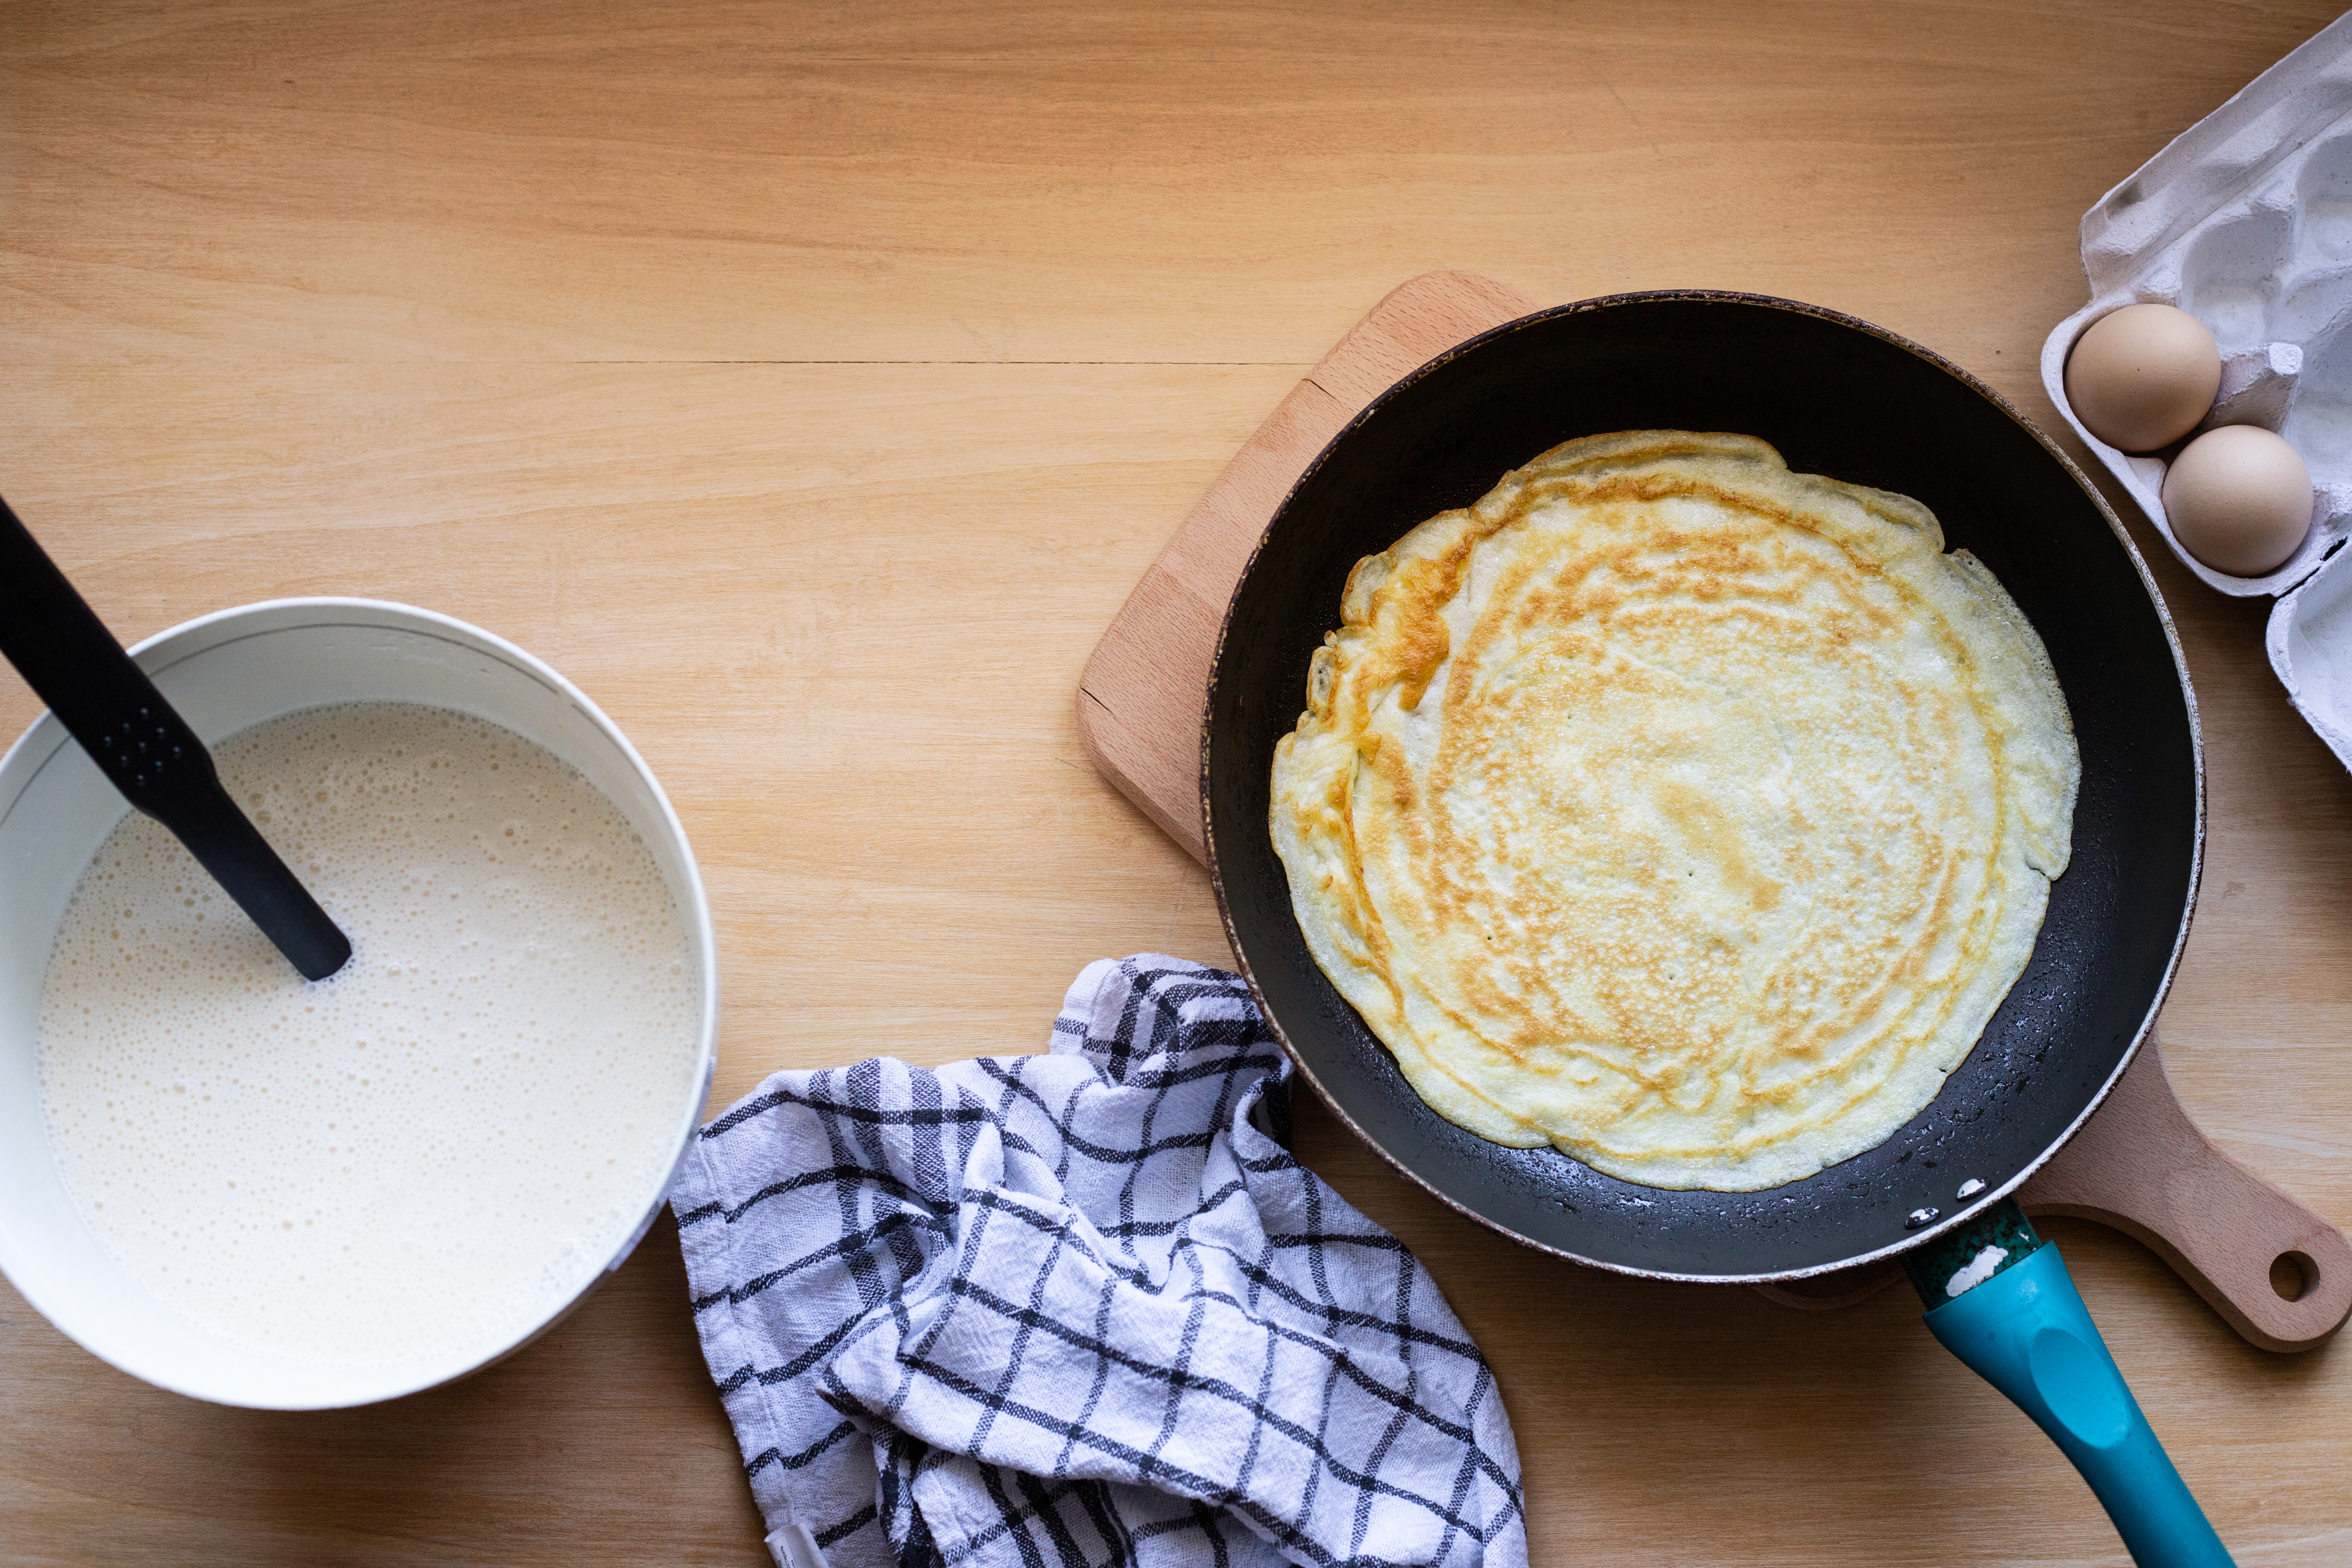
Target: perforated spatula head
[70, 658]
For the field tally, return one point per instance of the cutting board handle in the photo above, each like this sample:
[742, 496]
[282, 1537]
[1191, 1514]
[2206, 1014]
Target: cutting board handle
[2279, 1274]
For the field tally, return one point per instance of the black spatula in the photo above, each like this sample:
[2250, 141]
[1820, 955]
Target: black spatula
[70, 658]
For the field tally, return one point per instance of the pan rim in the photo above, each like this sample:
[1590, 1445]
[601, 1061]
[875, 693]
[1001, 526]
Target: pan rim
[2072, 470]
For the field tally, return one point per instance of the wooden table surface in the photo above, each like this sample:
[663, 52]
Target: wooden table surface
[810, 382]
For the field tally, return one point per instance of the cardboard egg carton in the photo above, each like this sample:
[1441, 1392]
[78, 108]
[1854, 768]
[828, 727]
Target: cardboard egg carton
[2244, 220]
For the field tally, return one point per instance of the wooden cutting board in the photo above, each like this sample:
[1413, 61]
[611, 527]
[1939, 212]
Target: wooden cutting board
[2278, 1273]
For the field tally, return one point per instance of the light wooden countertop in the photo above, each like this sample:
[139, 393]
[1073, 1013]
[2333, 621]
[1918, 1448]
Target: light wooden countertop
[811, 382]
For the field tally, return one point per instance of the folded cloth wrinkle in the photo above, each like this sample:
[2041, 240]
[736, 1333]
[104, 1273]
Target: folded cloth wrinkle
[1082, 1309]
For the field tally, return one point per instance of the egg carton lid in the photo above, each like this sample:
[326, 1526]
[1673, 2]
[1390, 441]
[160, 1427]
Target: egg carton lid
[2214, 160]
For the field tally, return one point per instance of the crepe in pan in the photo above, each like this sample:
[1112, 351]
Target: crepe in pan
[1686, 814]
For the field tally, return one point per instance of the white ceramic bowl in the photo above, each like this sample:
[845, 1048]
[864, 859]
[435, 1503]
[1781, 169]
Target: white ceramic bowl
[224, 672]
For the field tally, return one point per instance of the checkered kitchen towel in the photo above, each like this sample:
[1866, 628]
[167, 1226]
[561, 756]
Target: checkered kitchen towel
[1082, 1308]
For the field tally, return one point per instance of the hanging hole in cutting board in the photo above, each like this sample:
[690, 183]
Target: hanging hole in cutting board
[2293, 1274]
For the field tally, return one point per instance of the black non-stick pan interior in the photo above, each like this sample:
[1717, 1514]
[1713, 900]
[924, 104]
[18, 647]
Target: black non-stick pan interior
[1837, 398]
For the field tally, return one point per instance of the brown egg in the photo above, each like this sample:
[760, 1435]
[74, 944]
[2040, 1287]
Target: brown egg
[2239, 499]
[2142, 377]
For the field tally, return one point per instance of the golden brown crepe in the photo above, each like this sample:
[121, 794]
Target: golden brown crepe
[1681, 812]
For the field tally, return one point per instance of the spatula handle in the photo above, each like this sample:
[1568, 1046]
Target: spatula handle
[73, 663]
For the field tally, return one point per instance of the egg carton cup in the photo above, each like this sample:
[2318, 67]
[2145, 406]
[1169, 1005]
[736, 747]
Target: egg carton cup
[2244, 220]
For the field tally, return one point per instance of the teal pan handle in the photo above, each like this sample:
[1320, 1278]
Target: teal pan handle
[2026, 1332]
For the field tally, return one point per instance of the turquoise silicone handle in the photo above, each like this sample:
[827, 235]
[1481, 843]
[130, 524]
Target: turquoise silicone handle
[2026, 1332]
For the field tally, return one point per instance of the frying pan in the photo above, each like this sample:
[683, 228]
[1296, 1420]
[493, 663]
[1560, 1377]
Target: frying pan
[1839, 397]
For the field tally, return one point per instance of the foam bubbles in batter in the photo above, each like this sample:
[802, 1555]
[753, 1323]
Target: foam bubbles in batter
[426, 1154]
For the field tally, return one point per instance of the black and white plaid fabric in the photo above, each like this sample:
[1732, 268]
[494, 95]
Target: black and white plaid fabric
[1082, 1308]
